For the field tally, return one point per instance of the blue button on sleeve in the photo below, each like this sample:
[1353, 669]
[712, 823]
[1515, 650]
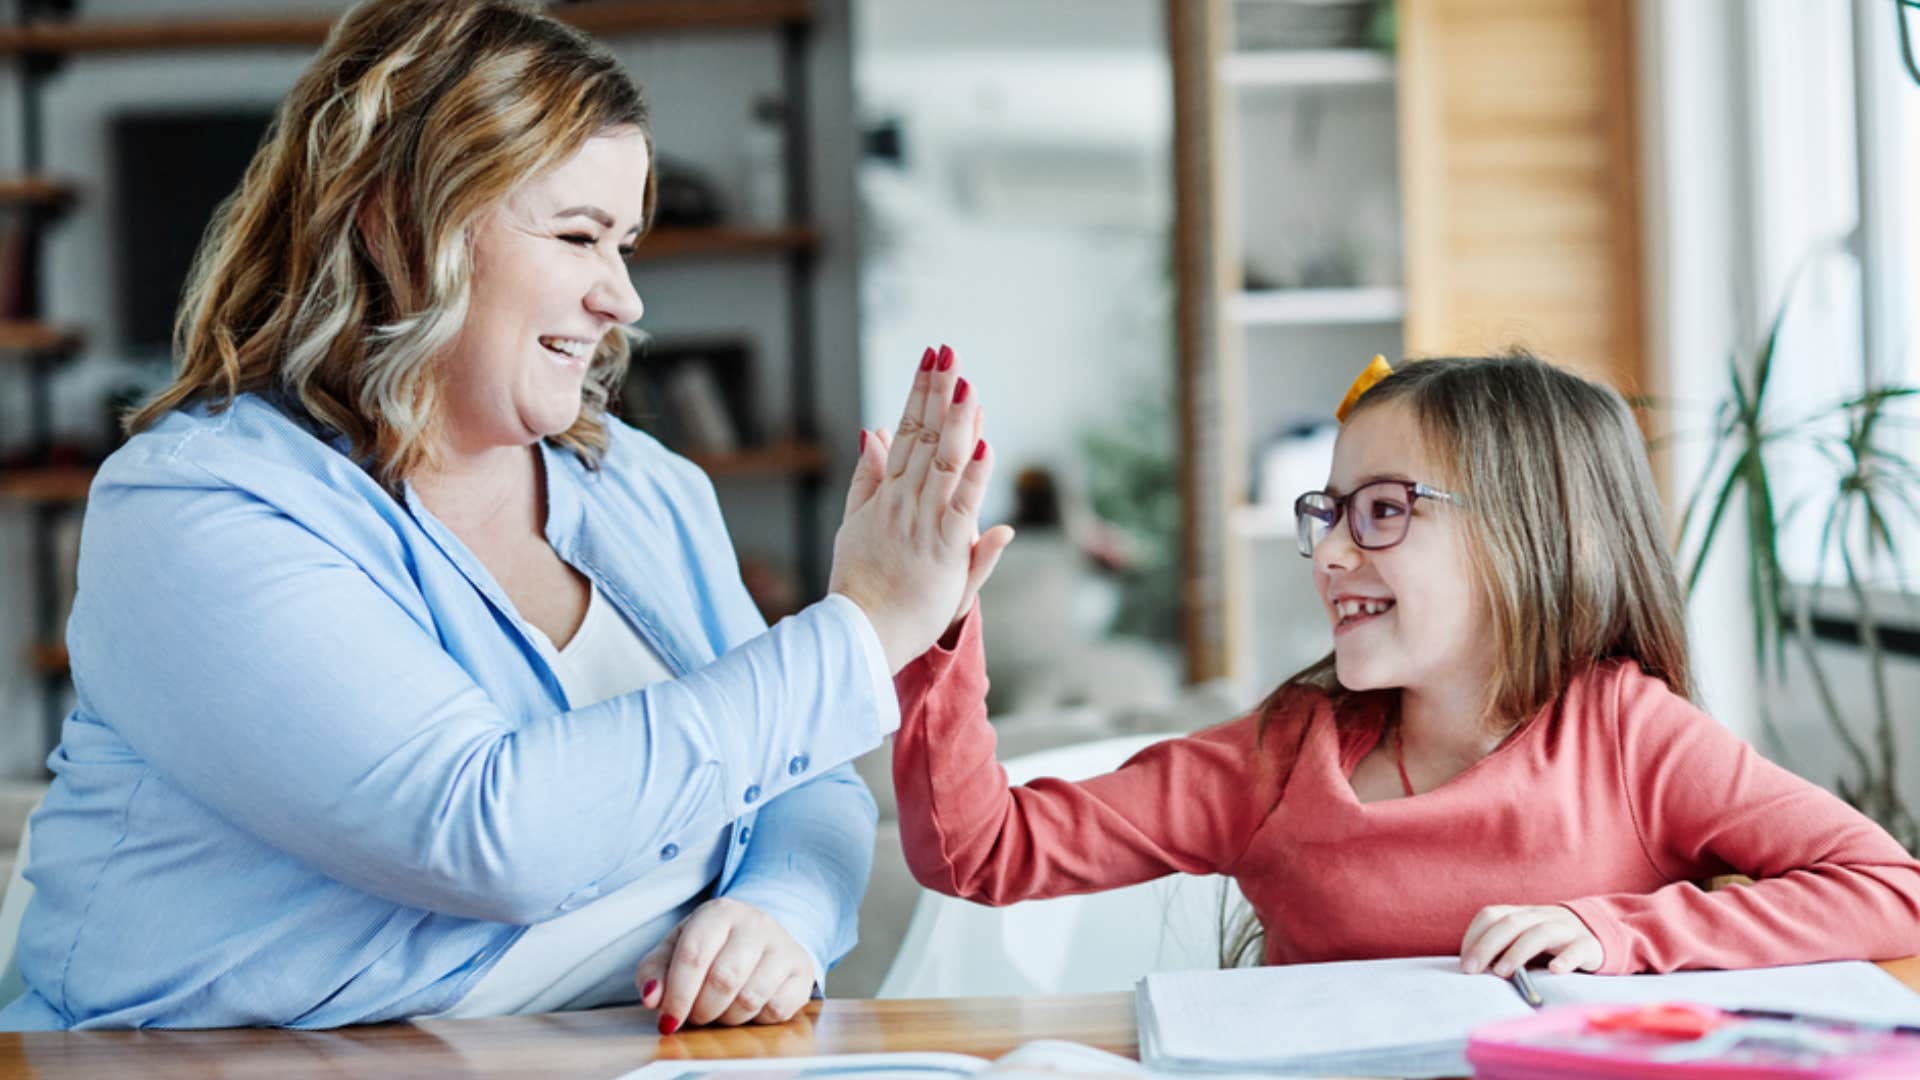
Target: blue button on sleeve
[798, 765]
[753, 793]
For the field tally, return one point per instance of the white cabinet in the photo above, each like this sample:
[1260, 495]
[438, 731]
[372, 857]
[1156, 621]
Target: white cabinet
[1312, 225]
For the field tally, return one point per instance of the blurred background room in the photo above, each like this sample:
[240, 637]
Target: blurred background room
[1163, 236]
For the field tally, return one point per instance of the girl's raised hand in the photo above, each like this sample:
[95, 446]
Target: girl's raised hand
[1504, 938]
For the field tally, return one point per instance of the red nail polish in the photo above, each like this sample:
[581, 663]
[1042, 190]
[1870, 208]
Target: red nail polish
[946, 358]
[926, 359]
[863, 440]
[979, 449]
[960, 392]
[647, 990]
[669, 1025]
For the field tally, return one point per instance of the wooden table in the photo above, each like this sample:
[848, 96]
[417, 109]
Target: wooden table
[600, 1044]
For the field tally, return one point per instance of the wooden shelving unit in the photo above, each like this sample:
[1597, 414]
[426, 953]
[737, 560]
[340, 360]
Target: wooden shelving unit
[1306, 68]
[308, 30]
[20, 337]
[671, 243]
[59, 485]
[780, 459]
[48, 659]
[36, 192]
[1319, 307]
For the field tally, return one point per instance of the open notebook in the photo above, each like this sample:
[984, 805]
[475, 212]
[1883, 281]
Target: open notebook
[1411, 1017]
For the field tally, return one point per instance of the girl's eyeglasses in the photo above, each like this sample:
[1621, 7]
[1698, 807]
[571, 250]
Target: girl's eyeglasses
[1377, 513]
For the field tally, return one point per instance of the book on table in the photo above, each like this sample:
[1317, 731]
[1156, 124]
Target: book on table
[1411, 1017]
[1043, 1059]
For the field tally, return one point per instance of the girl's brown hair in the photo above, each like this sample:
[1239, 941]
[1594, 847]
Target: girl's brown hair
[341, 269]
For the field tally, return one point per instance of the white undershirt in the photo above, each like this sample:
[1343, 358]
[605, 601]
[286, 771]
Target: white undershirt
[587, 957]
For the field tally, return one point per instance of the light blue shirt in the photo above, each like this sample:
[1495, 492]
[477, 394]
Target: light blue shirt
[321, 772]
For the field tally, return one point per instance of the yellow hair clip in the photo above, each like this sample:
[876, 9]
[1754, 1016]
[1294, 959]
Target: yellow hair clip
[1375, 372]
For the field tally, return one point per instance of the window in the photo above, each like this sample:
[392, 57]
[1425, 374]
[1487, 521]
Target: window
[1834, 153]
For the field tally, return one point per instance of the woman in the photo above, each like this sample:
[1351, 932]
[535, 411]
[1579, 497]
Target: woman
[409, 682]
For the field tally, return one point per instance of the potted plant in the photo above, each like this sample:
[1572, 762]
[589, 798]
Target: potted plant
[1866, 503]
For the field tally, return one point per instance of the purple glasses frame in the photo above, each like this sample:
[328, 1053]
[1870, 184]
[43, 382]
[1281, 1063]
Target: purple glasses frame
[1316, 514]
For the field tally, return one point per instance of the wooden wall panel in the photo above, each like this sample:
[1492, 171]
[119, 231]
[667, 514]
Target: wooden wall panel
[1205, 261]
[1519, 177]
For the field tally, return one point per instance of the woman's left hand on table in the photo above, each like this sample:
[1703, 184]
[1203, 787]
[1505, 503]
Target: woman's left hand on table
[727, 963]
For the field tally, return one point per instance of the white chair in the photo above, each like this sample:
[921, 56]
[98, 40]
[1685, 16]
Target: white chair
[12, 910]
[1072, 944]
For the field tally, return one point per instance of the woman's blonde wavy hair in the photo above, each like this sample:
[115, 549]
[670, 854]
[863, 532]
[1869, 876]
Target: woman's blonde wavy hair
[417, 118]
[1564, 529]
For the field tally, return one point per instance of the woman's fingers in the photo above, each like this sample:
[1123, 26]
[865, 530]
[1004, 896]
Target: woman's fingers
[899, 554]
[727, 962]
[651, 974]
[912, 417]
[960, 514]
[868, 470]
[954, 453]
[768, 979]
[702, 936]
[788, 1000]
[935, 409]
[733, 973]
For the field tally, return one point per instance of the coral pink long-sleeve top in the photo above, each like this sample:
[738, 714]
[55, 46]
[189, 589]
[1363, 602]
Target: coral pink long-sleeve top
[1613, 802]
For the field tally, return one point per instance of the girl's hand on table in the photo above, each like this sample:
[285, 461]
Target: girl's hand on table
[1504, 938]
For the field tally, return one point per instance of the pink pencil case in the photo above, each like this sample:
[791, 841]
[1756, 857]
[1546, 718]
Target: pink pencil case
[1684, 1042]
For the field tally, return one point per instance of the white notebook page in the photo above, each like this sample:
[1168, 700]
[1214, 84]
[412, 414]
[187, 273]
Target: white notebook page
[1306, 1010]
[1848, 990]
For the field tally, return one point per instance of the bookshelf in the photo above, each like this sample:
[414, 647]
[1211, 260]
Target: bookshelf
[794, 459]
[1511, 186]
[37, 192]
[47, 487]
[1257, 70]
[49, 660]
[1318, 307]
[684, 243]
[28, 338]
[250, 31]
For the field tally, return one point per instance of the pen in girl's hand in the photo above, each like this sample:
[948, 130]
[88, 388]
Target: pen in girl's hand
[1523, 983]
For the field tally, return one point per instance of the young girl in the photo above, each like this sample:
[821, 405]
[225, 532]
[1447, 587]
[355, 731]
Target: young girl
[1499, 758]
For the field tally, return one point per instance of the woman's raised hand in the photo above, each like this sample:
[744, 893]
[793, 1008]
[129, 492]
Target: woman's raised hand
[906, 550]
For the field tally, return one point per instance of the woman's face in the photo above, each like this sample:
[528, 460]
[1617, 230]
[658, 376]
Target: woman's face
[549, 281]
[1412, 615]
